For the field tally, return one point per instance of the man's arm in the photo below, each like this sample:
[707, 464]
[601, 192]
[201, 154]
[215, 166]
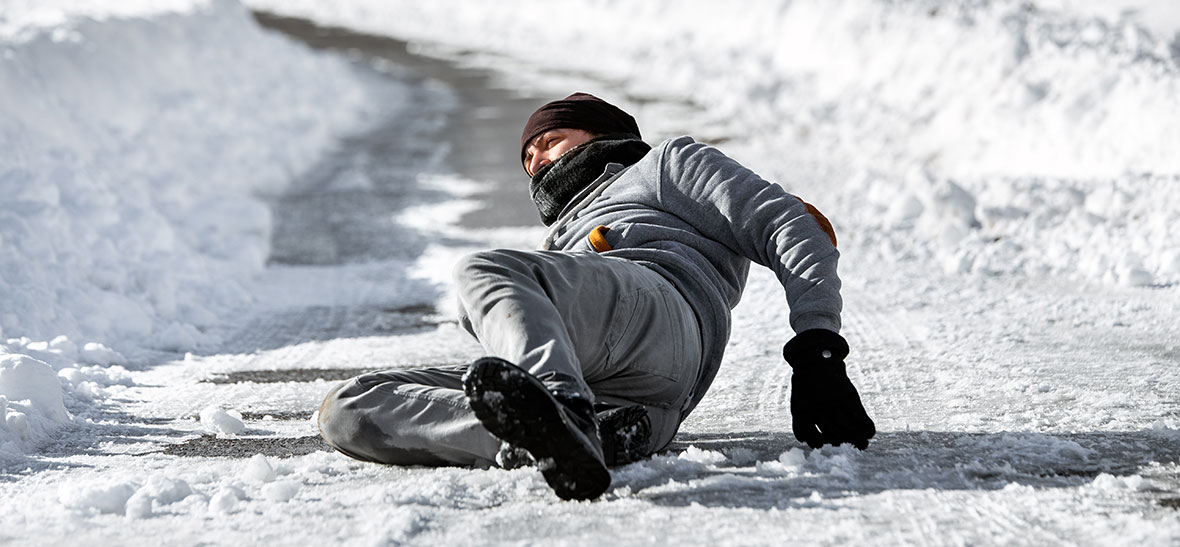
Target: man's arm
[768, 226]
[759, 221]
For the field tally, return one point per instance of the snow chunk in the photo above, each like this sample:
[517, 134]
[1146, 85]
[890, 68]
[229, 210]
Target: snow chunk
[138, 506]
[792, 458]
[158, 490]
[94, 353]
[226, 500]
[1108, 482]
[707, 457]
[789, 463]
[88, 383]
[104, 498]
[221, 422]
[281, 490]
[258, 469]
[31, 403]
[164, 489]
[839, 461]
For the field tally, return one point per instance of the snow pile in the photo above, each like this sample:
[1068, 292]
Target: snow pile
[1042, 142]
[31, 405]
[131, 149]
[40, 382]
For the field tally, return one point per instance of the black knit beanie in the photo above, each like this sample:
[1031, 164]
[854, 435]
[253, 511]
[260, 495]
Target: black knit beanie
[578, 111]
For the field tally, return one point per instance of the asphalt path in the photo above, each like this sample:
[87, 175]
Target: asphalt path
[481, 135]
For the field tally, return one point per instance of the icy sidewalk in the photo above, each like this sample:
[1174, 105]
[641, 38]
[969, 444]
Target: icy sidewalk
[978, 444]
[1013, 410]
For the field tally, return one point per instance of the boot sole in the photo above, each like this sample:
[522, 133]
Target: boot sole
[517, 408]
[626, 434]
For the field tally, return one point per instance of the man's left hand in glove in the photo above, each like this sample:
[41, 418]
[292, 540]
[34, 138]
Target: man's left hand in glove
[825, 406]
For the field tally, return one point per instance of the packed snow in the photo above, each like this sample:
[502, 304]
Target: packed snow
[1003, 176]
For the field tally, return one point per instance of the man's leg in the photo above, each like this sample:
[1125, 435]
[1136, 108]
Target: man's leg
[519, 305]
[611, 325]
[406, 417]
[585, 323]
[654, 359]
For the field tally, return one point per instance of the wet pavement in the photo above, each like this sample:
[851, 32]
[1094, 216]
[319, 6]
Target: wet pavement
[481, 134]
[209, 446]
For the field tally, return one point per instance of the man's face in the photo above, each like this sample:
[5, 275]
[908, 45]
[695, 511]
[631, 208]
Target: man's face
[550, 145]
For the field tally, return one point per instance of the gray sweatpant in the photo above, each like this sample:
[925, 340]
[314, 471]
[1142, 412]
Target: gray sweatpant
[608, 328]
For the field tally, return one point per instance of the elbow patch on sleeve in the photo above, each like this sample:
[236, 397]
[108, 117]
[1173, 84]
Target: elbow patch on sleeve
[824, 224]
[597, 239]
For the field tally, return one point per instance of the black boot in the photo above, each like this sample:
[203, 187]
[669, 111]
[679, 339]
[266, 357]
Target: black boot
[559, 431]
[625, 432]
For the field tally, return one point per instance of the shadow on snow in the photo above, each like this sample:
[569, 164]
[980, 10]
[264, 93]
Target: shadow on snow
[895, 461]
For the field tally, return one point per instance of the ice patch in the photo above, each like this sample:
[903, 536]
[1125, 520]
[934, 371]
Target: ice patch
[1036, 446]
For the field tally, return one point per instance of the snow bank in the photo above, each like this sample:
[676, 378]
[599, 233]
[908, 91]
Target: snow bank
[130, 151]
[134, 139]
[994, 137]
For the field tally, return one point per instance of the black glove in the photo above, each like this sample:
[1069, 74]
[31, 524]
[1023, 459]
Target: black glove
[825, 406]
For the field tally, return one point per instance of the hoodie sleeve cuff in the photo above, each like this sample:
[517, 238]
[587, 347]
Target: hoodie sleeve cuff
[810, 321]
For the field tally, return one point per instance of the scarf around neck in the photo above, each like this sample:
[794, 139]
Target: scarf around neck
[556, 184]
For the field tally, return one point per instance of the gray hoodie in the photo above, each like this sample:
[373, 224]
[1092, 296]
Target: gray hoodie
[698, 218]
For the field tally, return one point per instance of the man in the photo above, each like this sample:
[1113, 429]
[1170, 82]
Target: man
[625, 310]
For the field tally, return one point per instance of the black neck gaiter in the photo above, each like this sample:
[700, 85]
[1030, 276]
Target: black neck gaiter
[556, 184]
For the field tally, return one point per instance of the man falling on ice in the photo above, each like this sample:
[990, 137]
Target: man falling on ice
[601, 343]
